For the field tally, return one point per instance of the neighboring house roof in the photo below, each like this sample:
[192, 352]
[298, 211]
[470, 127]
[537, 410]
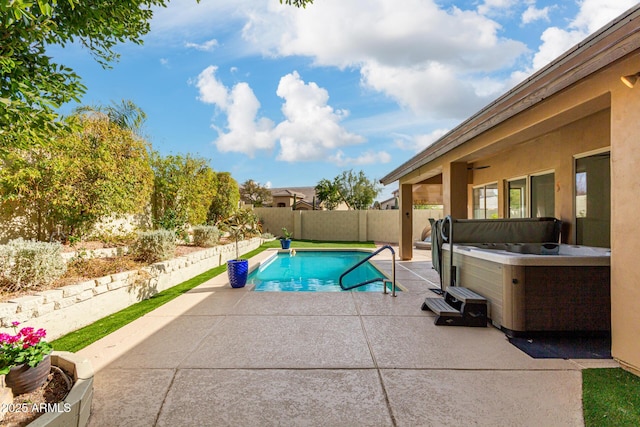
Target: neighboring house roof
[589, 56]
[305, 193]
[287, 193]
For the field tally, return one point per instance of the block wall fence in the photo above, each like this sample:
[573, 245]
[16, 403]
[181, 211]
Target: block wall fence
[344, 226]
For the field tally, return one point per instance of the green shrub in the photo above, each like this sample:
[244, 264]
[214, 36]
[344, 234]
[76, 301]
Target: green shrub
[154, 246]
[206, 236]
[29, 264]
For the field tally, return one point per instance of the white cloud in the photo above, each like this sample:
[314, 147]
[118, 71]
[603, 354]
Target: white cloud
[596, 13]
[164, 62]
[366, 158]
[211, 90]
[186, 18]
[489, 7]
[437, 62]
[433, 89]
[245, 132]
[593, 14]
[311, 129]
[207, 46]
[533, 14]
[418, 143]
[407, 50]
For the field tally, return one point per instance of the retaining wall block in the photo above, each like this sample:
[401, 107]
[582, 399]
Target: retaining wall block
[64, 303]
[117, 284]
[43, 309]
[51, 295]
[103, 280]
[157, 268]
[120, 276]
[100, 289]
[84, 295]
[8, 309]
[22, 315]
[89, 284]
[71, 290]
[104, 292]
[27, 302]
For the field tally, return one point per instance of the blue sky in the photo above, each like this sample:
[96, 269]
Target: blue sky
[289, 96]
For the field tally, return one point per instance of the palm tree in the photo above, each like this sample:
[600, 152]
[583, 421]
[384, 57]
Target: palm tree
[126, 115]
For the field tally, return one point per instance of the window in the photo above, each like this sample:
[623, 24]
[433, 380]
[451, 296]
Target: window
[518, 198]
[543, 195]
[593, 200]
[485, 201]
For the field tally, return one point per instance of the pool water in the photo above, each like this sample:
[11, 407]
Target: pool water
[314, 271]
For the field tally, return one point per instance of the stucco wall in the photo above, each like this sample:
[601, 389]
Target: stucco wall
[625, 227]
[345, 226]
[551, 152]
[16, 222]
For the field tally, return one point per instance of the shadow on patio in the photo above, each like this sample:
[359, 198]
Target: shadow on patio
[221, 356]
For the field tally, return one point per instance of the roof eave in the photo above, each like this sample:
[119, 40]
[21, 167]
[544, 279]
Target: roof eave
[574, 65]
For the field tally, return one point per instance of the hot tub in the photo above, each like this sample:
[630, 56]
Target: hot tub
[537, 287]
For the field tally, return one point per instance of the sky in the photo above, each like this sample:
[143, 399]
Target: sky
[288, 96]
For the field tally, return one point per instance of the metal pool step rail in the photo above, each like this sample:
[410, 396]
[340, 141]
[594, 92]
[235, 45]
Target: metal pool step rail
[384, 280]
[459, 307]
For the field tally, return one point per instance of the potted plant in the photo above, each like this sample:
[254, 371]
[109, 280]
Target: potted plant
[243, 223]
[24, 359]
[285, 240]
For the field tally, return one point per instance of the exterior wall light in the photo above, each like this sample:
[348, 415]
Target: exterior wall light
[631, 79]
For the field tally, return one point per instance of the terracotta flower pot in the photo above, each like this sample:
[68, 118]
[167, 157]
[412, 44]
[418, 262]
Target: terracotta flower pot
[24, 379]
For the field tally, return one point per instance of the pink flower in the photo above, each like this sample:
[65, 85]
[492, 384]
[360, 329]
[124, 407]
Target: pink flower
[26, 331]
[4, 338]
[15, 323]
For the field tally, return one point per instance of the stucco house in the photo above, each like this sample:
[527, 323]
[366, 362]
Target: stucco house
[294, 198]
[298, 199]
[564, 143]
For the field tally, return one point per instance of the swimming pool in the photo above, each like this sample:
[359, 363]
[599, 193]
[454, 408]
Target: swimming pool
[314, 271]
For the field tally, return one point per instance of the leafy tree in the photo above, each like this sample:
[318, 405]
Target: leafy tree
[241, 224]
[298, 3]
[79, 178]
[357, 191]
[253, 193]
[32, 85]
[126, 115]
[328, 193]
[183, 189]
[226, 199]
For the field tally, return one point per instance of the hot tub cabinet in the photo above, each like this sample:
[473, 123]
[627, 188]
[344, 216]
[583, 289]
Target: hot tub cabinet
[566, 292]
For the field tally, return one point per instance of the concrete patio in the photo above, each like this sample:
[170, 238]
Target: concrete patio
[218, 356]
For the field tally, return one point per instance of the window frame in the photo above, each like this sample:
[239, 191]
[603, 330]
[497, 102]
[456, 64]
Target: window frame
[492, 185]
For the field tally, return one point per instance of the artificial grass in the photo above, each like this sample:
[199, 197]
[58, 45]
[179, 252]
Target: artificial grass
[610, 397]
[82, 337]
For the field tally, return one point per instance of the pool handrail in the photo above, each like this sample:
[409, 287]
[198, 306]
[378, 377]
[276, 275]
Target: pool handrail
[382, 279]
